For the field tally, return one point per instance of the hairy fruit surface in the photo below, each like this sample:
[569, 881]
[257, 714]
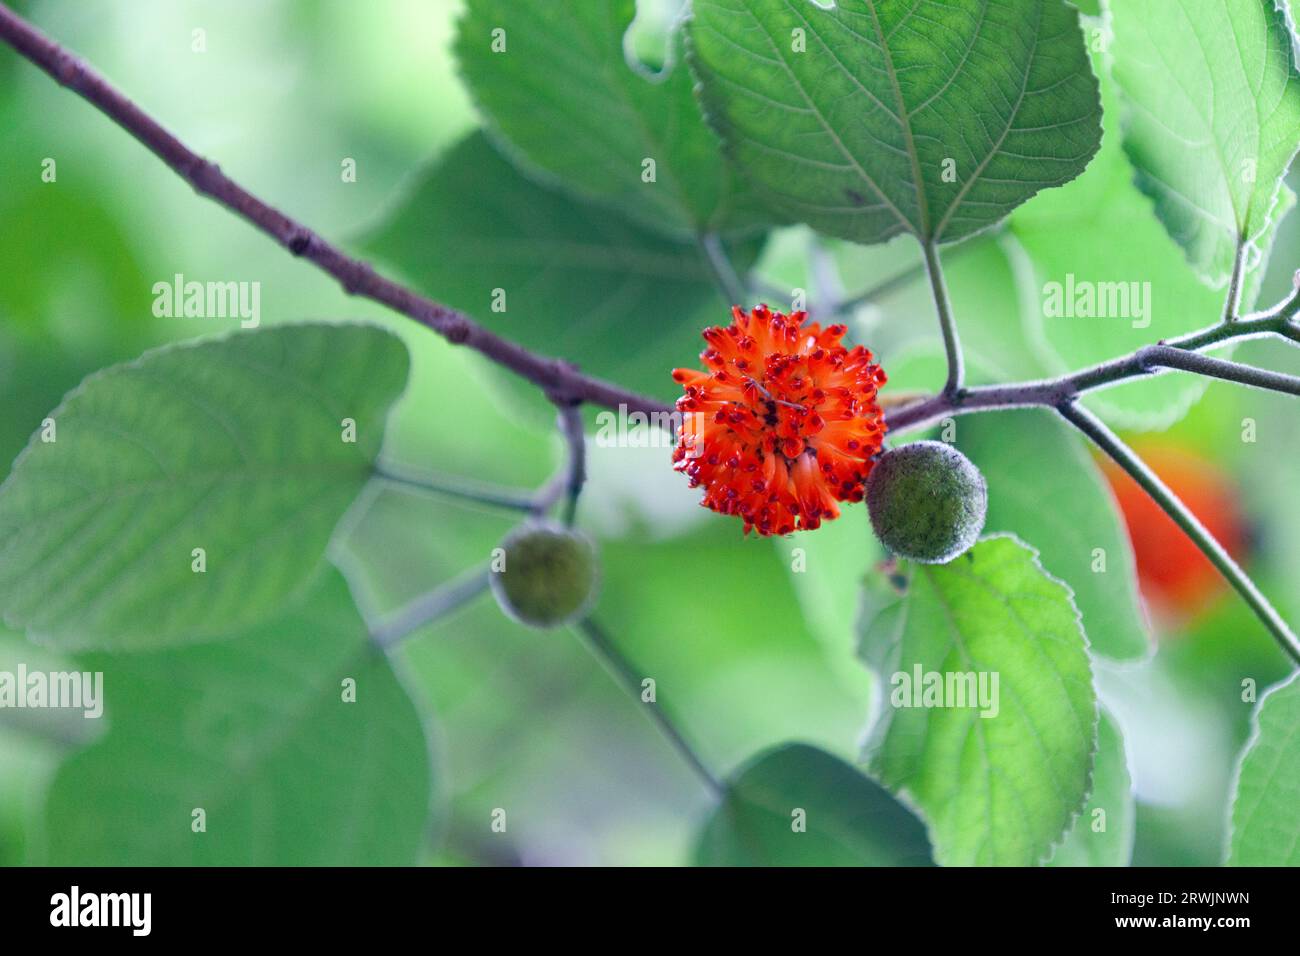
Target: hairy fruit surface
[927, 501]
[549, 577]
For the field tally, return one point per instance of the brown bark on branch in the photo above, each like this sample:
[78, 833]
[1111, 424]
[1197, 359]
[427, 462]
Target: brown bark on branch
[555, 376]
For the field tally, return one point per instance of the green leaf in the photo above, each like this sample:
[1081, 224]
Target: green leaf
[796, 805]
[256, 732]
[232, 445]
[1067, 512]
[1265, 811]
[884, 116]
[999, 789]
[558, 86]
[1211, 116]
[1103, 833]
[77, 253]
[1105, 279]
[577, 281]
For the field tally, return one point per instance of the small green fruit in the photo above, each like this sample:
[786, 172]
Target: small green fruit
[548, 576]
[927, 501]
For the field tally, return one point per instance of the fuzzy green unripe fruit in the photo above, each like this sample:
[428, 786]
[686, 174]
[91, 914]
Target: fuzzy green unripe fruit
[927, 501]
[548, 575]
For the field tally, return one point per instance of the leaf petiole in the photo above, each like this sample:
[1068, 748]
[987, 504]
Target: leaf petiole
[951, 343]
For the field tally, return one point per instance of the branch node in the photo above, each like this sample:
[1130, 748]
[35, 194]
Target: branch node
[69, 70]
[1148, 356]
[1062, 398]
[356, 277]
[564, 394]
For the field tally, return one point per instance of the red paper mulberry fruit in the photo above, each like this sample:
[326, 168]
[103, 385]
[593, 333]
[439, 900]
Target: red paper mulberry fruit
[782, 423]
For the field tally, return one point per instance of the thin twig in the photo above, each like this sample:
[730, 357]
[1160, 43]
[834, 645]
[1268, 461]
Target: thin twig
[724, 273]
[568, 481]
[354, 275]
[1149, 360]
[827, 293]
[846, 306]
[625, 673]
[447, 597]
[429, 607]
[561, 380]
[883, 288]
[767, 290]
[515, 500]
[1166, 356]
[899, 280]
[555, 376]
[575, 472]
[1160, 493]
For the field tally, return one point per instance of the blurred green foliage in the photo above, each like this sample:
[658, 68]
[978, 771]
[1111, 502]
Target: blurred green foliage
[747, 653]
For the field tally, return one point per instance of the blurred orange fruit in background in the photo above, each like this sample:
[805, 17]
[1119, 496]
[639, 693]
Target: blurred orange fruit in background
[1176, 579]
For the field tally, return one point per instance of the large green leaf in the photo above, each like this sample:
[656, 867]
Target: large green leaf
[1211, 116]
[234, 445]
[1105, 279]
[578, 281]
[878, 117]
[998, 782]
[257, 733]
[1103, 833]
[1045, 489]
[558, 86]
[1265, 807]
[796, 805]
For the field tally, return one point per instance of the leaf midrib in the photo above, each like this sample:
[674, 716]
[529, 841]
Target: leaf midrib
[904, 116]
[821, 119]
[1006, 131]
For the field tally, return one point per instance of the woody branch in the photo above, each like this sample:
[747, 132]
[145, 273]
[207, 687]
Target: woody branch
[558, 378]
